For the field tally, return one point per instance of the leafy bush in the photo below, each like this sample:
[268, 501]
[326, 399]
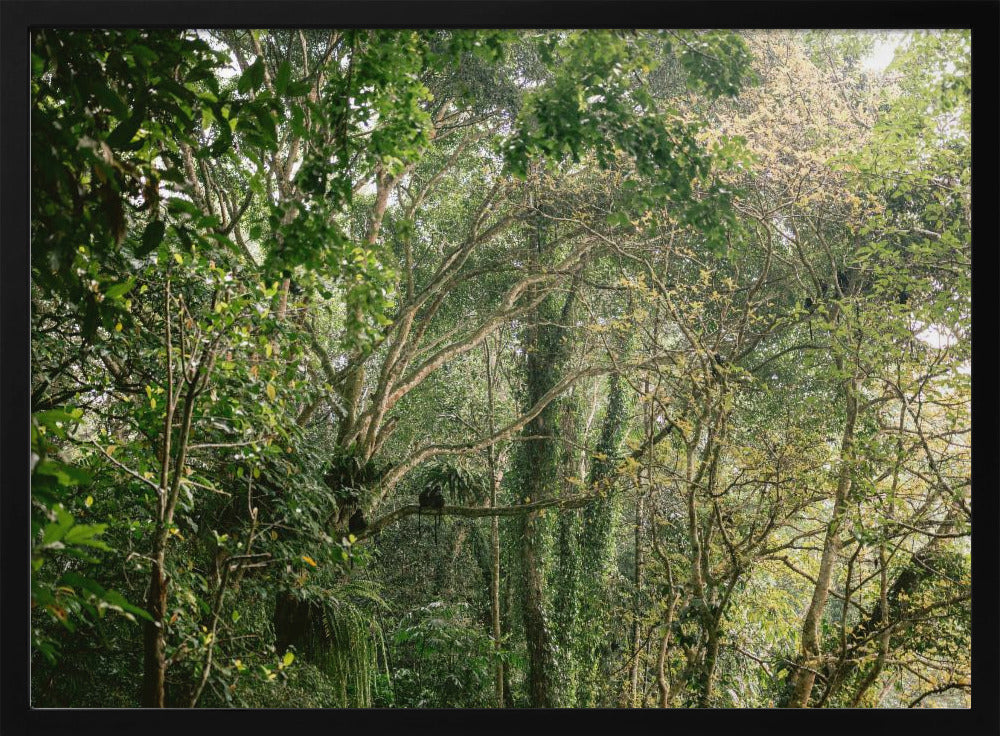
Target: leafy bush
[442, 659]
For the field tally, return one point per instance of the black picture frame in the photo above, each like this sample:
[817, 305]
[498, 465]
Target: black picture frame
[18, 17]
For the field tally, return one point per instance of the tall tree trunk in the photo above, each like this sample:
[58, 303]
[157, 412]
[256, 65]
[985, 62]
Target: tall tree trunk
[548, 346]
[594, 545]
[537, 472]
[662, 675]
[495, 608]
[494, 534]
[566, 600]
[154, 663]
[154, 642]
[541, 662]
[709, 665]
[506, 617]
[805, 674]
[566, 606]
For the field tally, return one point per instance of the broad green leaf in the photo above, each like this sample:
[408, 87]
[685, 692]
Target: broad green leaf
[119, 290]
[152, 236]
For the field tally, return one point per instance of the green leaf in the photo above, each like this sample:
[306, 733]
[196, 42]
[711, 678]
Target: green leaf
[55, 531]
[282, 78]
[222, 143]
[50, 417]
[125, 131]
[118, 600]
[252, 78]
[152, 236]
[122, 135]
[112, 101]
[119, 290]
[86, 534]
[618, 218]
[65, 475]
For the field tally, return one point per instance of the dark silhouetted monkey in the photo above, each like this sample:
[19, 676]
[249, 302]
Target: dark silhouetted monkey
[431, 498]
[357, 523]
[843, 281]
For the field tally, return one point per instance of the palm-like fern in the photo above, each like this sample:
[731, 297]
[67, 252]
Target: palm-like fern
[338, 629]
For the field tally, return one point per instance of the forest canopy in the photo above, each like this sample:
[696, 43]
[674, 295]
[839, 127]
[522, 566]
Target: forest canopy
[492, 368]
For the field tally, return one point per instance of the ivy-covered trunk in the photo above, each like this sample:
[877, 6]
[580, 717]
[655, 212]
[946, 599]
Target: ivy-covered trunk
[566, 604]
[547, 345]
[635, 645]
[712, 634]
[494, 566]
[566, 577]
[541, 664]
[595, 547]
[538, 473]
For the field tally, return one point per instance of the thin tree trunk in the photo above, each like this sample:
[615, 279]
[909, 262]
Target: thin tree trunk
[495, 604]
[154, 635]
[883, 640]
[708, 668]
[506, 615]
[637, 570]
[805, 675]
[154, 669]
[154, 663]
[662, 676]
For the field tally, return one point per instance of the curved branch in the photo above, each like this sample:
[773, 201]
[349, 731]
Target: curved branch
[567, 502]
[937, 690]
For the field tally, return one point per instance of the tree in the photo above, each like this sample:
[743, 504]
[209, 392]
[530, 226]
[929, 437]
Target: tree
[683, 317]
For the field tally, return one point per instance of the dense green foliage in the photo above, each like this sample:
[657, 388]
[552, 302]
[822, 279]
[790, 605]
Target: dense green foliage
[500, 369]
